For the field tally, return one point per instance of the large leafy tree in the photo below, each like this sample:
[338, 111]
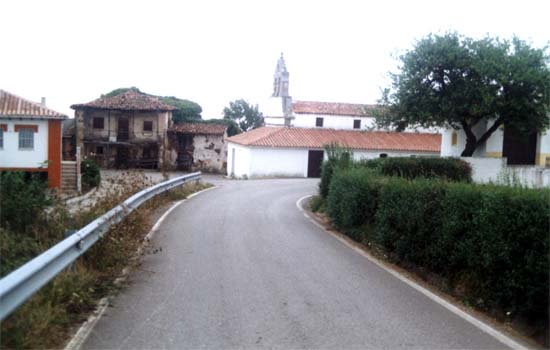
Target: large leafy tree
[248, 117]
[458, 82]
[187, 111]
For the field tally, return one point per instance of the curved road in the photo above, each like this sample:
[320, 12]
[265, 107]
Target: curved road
[241, 267]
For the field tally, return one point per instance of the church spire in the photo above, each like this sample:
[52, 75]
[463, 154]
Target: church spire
[280, 79]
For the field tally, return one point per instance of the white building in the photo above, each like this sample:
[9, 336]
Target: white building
[298, 152]
[281, 110]
[30, 137]
[518, 149]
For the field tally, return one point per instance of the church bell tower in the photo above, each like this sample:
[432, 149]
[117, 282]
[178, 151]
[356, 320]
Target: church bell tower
[280, 89]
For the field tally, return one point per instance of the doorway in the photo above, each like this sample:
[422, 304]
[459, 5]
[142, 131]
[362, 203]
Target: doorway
[123, 129]
[314, 162]
[518, 148]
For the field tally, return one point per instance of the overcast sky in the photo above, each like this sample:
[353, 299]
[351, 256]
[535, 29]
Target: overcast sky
[213, 52]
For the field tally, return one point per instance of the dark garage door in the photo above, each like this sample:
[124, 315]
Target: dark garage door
[315, 159]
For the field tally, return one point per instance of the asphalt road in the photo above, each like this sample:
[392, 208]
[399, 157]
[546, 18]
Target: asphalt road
[241, 267]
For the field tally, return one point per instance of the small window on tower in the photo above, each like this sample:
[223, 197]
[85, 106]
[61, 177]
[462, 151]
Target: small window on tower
[147, 125]
[319, 122]
[357, 124]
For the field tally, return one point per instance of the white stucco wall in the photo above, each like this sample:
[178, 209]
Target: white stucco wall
[450, 150]
[332, 121]
[280, 162]
[241, 156]
[13, 157]
[495, 170]
[358, 155]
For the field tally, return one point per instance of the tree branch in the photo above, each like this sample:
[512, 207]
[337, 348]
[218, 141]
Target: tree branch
[490, 131]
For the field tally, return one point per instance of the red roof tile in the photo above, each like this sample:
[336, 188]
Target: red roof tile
[15, 106]
[360, 140]
[331, 108]
[131, 100]
[199, 128]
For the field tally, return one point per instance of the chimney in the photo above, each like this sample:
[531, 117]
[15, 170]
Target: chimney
[43, 102]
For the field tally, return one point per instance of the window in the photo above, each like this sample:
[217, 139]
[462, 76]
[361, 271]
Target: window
[357, 124]
[98, 123]
[319, 122]
[454, 140]
[383, 155]
[26, 138]
[3, 128]
[147, 125]
[99, 150]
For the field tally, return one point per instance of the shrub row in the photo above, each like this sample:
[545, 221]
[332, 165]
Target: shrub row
[491, 241]
[451, 169]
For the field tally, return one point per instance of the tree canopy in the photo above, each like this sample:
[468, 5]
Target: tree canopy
[454, 81]
[187, 111]
[247, 117]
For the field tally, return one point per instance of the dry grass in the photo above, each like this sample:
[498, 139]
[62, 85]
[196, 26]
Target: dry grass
[45, 321]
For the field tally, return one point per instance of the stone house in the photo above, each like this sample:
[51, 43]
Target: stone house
[198, 146]
[127, 130]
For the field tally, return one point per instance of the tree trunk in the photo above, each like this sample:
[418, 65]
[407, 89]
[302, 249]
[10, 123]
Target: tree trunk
[471, 140]
[471, 145]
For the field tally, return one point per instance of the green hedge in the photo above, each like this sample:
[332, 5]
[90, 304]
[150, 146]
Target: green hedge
[451, 169]
[491, 241]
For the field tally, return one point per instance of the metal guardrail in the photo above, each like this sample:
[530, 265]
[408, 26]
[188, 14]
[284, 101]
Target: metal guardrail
[23, 282]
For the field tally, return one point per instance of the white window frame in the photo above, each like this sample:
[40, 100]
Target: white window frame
[28, 142]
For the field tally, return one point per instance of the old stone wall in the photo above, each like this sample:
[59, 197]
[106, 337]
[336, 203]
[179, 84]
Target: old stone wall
[210, 153]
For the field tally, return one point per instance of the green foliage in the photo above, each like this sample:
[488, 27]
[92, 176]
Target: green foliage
[247, 116]
[337, 158]
[317, 204]
[351, 200]
[232, 126]
[455, 81]
[121, 91]
[91, 176]
[490, 242]
[451, 169]
[23, 198]
[187, 111]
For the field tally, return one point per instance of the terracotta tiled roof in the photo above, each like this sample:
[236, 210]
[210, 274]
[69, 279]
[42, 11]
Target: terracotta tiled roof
[199, 128]
[129, 101]
[360, 140]
[15, 106]
[331, 108]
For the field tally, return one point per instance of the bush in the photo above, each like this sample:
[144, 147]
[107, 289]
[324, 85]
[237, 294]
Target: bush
[352, 199]
[451, 169]
[489, 241]
[23, 198]
[337, 158]
[91, 176]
